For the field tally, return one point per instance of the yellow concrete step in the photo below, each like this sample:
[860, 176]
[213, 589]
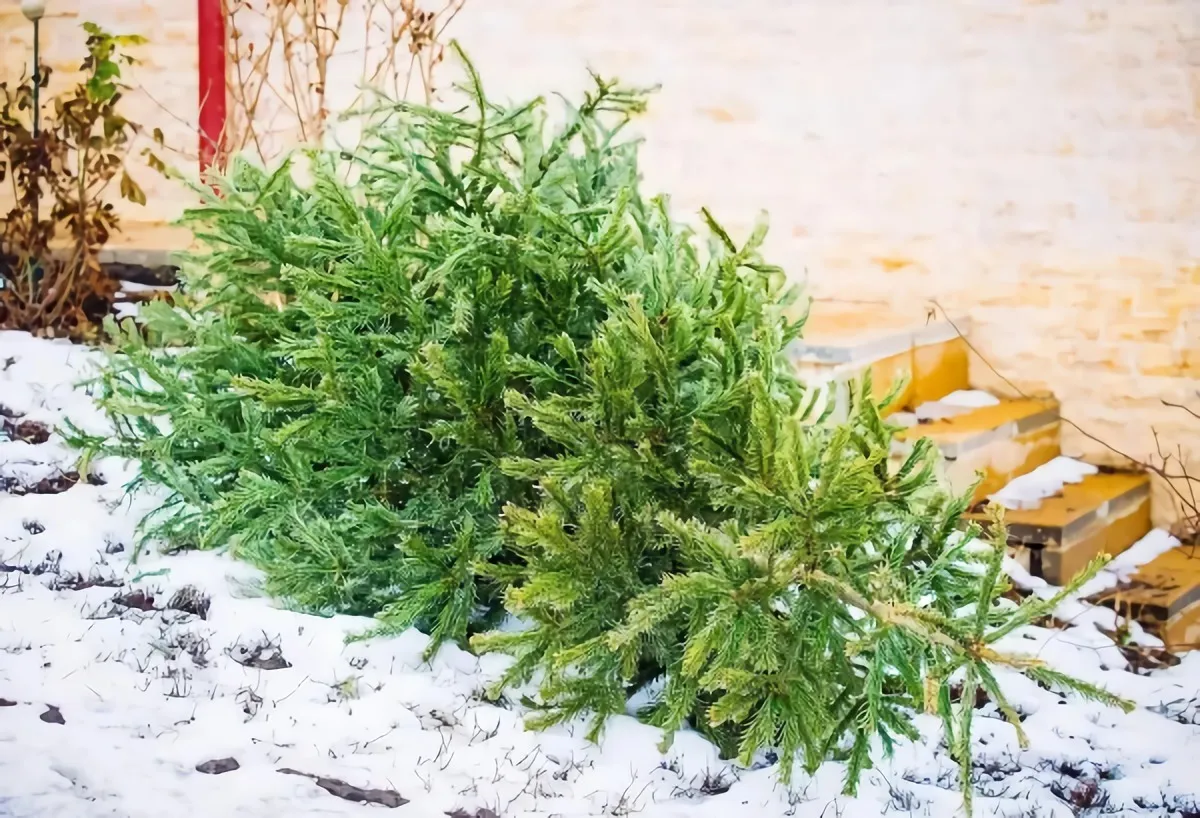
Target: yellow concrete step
[1003, 441]
[1164, 595]
[843, 339]
[1055, 537]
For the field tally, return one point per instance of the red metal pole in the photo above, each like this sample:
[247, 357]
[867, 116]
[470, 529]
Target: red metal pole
[210, 25]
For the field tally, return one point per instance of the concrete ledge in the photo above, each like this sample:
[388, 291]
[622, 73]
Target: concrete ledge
[139, 256]
[843, 332]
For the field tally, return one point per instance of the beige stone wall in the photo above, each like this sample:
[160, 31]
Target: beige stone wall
[1035, 163]
[164, 95]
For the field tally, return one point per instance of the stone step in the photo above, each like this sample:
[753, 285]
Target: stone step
[1002, 441]
[1057, 536]
[1164, 596]
[842, 340]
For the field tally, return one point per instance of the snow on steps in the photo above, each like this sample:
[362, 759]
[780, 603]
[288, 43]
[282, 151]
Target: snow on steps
[1164, 595]
[1091, 513]
[1062, 512]
[1065, 513]
[977, 433]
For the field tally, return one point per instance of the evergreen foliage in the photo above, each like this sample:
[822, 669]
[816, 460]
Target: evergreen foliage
[336, 402]
[489, 373]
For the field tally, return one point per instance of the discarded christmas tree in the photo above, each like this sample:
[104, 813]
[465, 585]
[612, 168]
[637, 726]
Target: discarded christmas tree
[489, 372]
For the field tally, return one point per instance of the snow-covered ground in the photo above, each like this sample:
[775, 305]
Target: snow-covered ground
[125, 687]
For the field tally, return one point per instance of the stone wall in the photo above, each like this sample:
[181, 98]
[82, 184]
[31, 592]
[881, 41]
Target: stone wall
[1036, 164]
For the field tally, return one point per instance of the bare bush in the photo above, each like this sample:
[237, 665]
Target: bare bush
[289, 60]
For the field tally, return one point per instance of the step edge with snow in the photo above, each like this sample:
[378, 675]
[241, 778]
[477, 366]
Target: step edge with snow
[869, 349]
[1085, 520]
[1147, 590]
[1040, 418]
[1058, 550]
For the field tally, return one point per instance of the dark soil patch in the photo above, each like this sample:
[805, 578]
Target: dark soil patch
[160, 275]
[50, 564]
[77, 582]
[1142, 659]
[138, 600]
[217, 766]
[349, 792]
[189, 600]
[1082, 795]
[981, 696]
[52, 715]
[28, 431]
[55, 484]
[716, 784]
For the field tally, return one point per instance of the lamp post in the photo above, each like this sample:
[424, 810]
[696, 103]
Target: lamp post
[34, 11]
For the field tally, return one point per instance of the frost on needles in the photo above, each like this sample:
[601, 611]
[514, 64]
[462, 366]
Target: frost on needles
[469, 369]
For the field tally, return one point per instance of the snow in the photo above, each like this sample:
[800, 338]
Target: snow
[115, 689]
[954, 404]
[124, 308]
[969, 399]
[957, 403]
[1046, 480]
[138, 287]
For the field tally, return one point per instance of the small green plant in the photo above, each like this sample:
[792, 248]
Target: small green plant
[50, 276]
[491, 377]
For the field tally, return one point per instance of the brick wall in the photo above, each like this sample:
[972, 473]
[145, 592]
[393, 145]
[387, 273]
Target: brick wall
[1034, 163]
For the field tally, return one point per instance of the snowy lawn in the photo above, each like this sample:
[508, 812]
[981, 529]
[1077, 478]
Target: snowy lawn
[170, 686]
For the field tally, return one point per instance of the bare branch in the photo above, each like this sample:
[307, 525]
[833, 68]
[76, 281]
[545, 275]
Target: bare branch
[282, 53]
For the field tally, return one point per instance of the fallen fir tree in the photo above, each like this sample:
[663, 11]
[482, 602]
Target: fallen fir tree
[488, 375]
